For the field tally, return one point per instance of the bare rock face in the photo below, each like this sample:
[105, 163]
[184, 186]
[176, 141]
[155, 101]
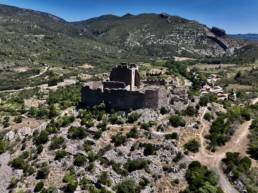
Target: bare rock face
[218, 32]
[6, 172]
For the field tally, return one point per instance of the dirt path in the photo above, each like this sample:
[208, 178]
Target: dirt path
[41, 73]
[66, 82]
[238, 143]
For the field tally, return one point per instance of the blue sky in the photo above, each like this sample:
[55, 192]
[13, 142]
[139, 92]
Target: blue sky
[235, 16]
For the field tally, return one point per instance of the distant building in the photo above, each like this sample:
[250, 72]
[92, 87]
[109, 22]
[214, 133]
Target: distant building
[124, 90]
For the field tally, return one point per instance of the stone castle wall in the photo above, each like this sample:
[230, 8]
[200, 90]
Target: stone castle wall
[122, 99]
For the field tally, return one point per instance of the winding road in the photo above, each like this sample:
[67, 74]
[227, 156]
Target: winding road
[212, 160]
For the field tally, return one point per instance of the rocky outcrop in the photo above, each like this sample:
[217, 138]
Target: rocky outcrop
[218, 32]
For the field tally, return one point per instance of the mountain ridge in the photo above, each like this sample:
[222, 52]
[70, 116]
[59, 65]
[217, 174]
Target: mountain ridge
[145, 35]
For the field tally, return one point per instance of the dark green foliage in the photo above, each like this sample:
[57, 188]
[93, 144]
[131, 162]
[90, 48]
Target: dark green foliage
[239, 168]
[2, 146]
[116, 118]
[253, 144]
[164, 110]
[104, 178]
[87, 145]
[118, 139]
[207, 116]
[52, 112]
[171, 136]
[204, 100]
[60, 154]
[179, 156]
[42, 172]
[144, 182]
[192, 146]
[200, 179]
[18, 163]
[118, 169]
[236, 164]
[127, 186]
[133, 117]
[64, 121]
[76, 133]
[222, 128]
[71, 180]
[147, 125]
[137, 164]
[18, 119]
[79, 160]
[6, 122]
[207, 98]
[39, 148]
[176, 121]
[41, 138]
[179, 67]
[39, 186]
[91, 156]
[50, 189]
[190, 111]
[133, 133]
[149, 149]
[65, 97]
[56, 142]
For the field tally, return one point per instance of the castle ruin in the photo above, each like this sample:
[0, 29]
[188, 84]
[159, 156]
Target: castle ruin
[124, 90]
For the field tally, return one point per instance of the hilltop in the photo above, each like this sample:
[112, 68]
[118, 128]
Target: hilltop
[160, 34]
[42, 37]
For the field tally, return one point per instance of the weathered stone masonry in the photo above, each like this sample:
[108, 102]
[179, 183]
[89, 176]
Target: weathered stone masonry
[124, 99]
[120, 93]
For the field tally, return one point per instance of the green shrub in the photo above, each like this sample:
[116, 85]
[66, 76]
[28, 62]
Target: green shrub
[147, 125]
[39, 186]
[149, 149]
[60, 154]
[18, 119]
[91, 156]
[71, 180]
[42, 172]
[133, 117]
[207, 116]
[80, 160]
[204, 100]
[192, 146]
[104, 179]
[172, 136]
[239, 168]
[200, 179]
[118, 139]
[190, 111]
[18, 163]
[2, 146]
[118, 169]
[176, 121]
[115, 118]
[56, 142]
[76, 133]
[133, 133]
[164, 110]
[137, 164]
[127, 186]
[253, 144]
[42, 138]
